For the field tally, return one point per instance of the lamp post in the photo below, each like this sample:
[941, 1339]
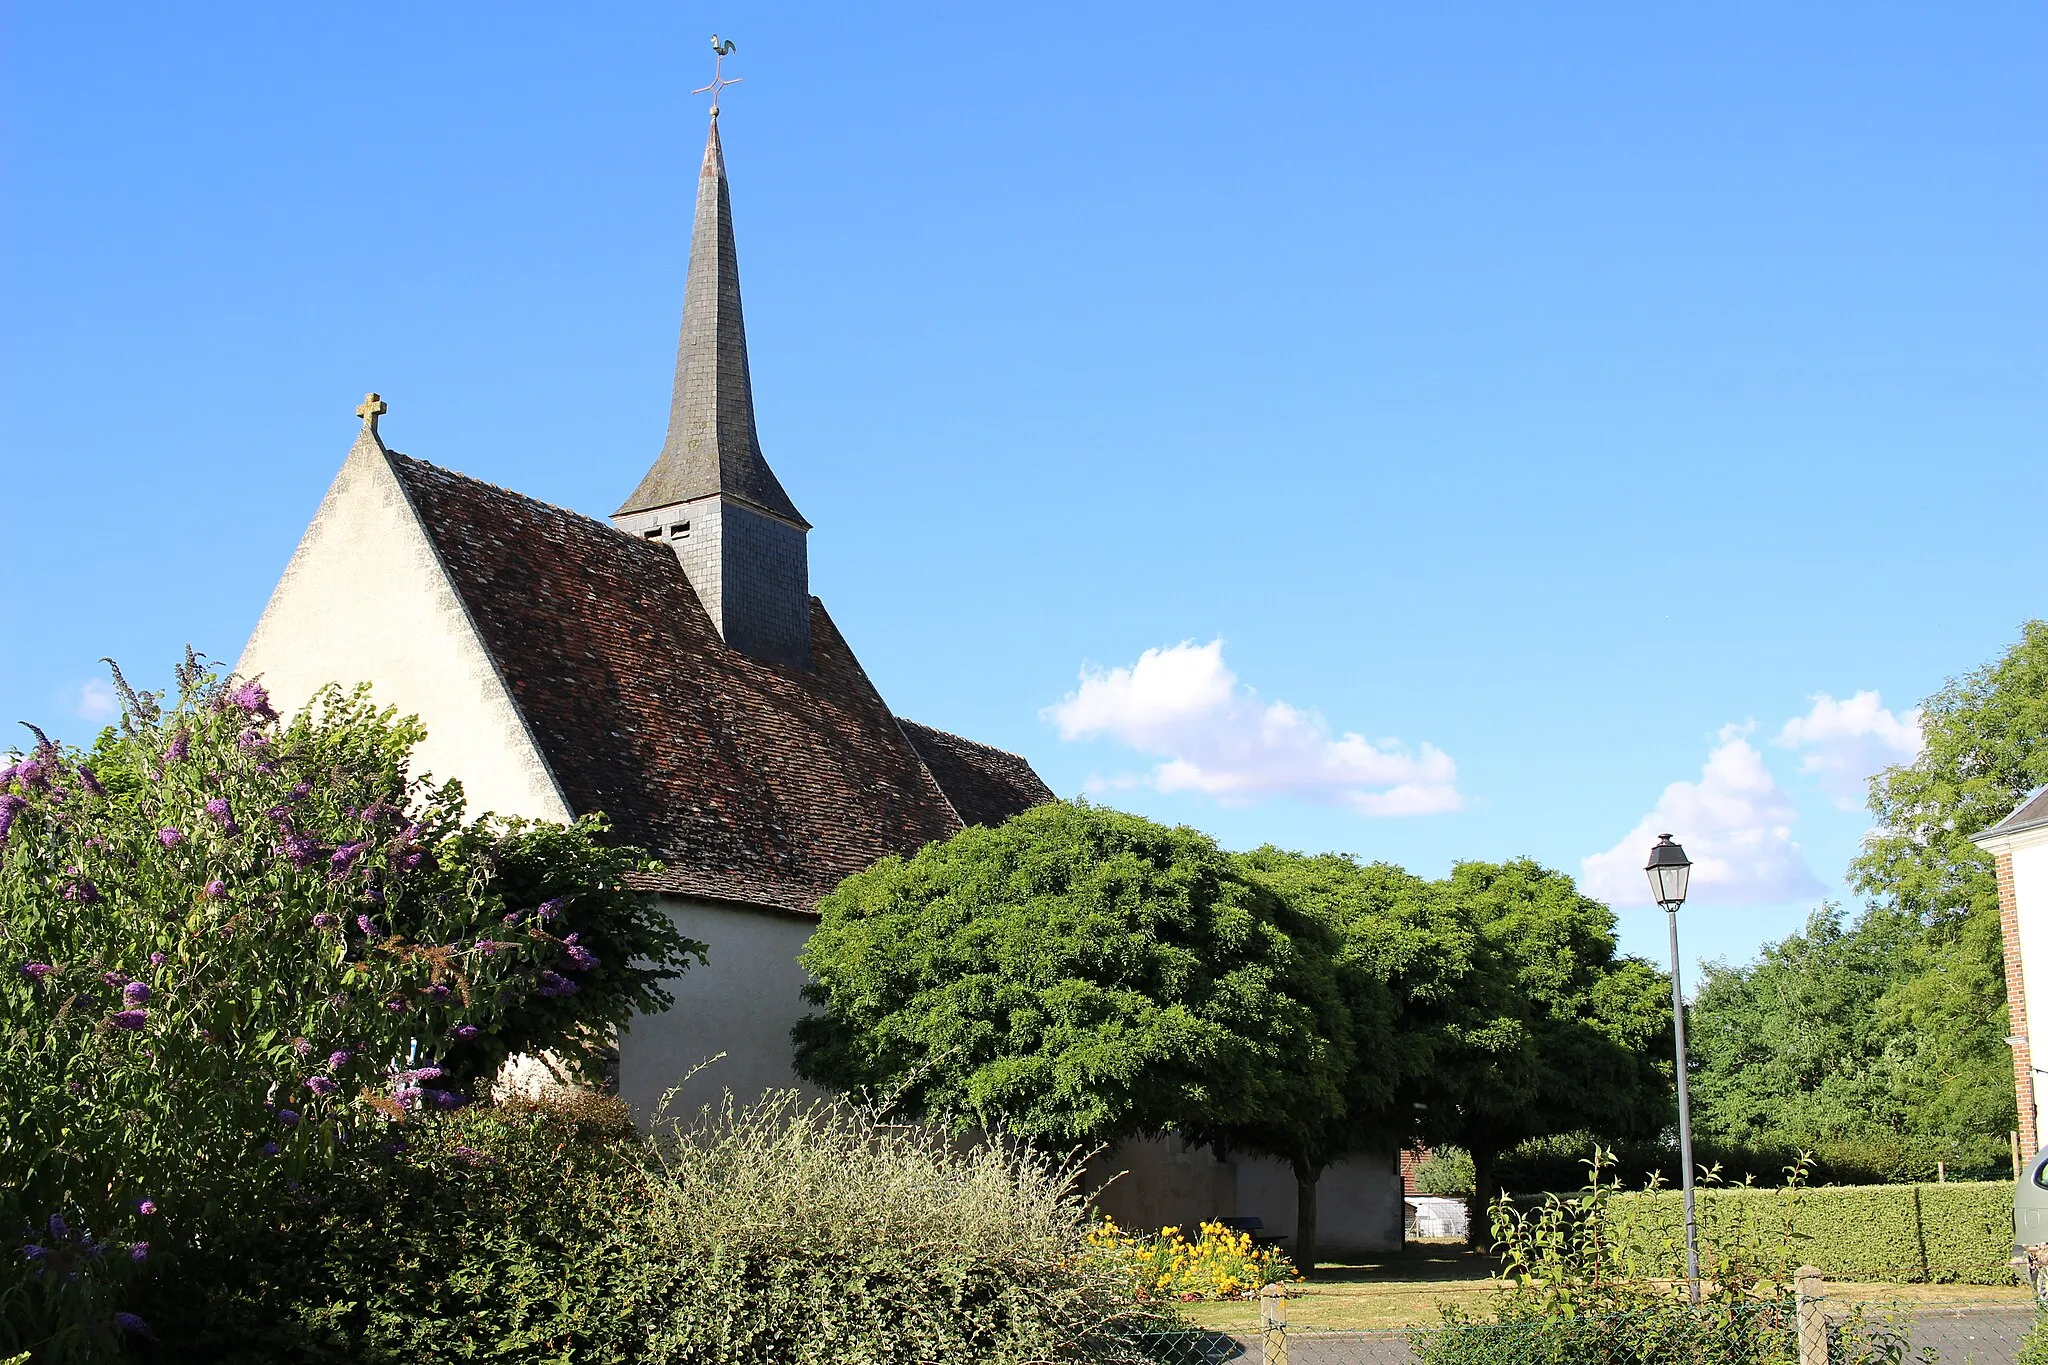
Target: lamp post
[1669, 870]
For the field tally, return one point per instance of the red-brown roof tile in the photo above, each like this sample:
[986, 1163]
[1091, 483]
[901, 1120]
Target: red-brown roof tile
[753, 782]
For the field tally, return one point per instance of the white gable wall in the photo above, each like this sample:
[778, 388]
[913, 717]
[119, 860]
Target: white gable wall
[742, 1003]
[365, 599]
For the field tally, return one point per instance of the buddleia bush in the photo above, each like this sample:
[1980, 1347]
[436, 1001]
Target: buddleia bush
[238, 951]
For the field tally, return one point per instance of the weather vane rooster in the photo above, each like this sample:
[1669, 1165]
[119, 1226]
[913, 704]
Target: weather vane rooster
[718, 78]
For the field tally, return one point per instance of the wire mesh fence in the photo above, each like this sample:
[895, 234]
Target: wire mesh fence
[1986, 1332]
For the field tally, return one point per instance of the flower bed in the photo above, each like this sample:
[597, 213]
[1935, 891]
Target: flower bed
[1221, 1263]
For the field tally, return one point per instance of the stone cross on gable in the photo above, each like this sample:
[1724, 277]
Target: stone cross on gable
[372, 408]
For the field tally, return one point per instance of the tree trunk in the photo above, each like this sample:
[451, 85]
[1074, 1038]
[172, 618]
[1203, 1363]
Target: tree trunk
[1478, 1233]
[1305, 1177]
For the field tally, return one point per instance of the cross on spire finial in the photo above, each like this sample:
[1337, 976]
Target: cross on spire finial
[372, 408]
[718, 77]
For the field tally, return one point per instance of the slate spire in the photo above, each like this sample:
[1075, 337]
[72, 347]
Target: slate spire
[712, 447]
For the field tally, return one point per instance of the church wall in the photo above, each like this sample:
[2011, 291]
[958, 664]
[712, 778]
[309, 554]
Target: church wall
[1162, 1182]
[365, 599]
[742, 1003]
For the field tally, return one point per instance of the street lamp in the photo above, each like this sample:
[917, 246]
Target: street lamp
[1669, 870]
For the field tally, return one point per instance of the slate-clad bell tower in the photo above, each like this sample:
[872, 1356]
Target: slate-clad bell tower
[710, 495]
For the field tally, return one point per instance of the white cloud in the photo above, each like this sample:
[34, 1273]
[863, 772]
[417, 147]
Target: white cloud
[1216, 737]
[1849, 741]
[1736, 825]
[96, 701]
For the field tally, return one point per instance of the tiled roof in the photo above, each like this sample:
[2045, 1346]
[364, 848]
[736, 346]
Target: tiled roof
[2031, 811]
[986, 786]
[752, 782]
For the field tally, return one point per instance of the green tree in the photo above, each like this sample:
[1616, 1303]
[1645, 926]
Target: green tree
[1883, 1040]
[1985, 739]
[1077, 976]
[1402, 960]
[239, 950]
[1551, 1031]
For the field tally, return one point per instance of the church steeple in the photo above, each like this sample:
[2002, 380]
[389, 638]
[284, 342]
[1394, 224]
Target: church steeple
[710, 494]
[712, 444]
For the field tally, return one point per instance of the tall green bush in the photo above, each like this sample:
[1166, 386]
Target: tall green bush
[780, 1233]
[237, 951]
[1943, 1233]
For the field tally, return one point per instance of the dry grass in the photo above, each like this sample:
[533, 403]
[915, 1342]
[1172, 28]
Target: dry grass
[1404, 1289]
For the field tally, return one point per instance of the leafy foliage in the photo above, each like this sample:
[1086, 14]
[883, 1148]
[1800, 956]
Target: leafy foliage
[780, 1233]
[1956, 1233]
[238, 951]
[1074, 976]
[1551, 1031]
[1220, 1263]
[1446, 1171]
[1882, 1040]
[1588, 1278]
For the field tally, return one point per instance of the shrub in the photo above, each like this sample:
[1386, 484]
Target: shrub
[1944, 1234]
[1221, 1263]
[1446, 1171]
[236, 952]
[812, 1234]
[546, 1231]
[1579, 1284]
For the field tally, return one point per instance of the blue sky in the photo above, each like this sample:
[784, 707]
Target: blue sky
[1576, 390]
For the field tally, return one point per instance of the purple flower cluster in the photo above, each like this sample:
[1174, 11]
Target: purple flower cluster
[216, 889]
[465, 1031]
[219, 810]
[252, 739]
[288, 1117]
[251, 697]
[302, 1047]
[147, 1208]
[90, 780]
[180, 747]
[554, 986]
[321, 1085]
[323, 920]
[36, 971]
[10, 806]
[131, 1324]
[156, 959]
[582, 958]
[336, 1060]
[131, 1021]
[301, 851]
[367, 925]
[82, 891]
[169, 837]
[549, 909]
[135, 993]
[345, 857]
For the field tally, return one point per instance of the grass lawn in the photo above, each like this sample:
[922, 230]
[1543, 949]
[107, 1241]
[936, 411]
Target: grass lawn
[1403, 1289]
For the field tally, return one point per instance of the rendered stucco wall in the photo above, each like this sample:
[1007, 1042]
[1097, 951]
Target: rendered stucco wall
[742, 1003]
[365, 599]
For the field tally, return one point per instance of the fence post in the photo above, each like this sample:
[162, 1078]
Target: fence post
[1273, 1324]
[1813, 1323]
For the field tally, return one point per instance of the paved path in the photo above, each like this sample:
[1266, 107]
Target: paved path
[1987, 1335]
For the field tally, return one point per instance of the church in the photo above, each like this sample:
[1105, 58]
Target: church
[669, 667]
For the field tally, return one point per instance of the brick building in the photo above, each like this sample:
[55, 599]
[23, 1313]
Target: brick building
[2019, 844]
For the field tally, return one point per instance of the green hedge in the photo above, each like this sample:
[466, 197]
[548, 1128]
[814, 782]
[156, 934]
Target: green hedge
[1954, 1233]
